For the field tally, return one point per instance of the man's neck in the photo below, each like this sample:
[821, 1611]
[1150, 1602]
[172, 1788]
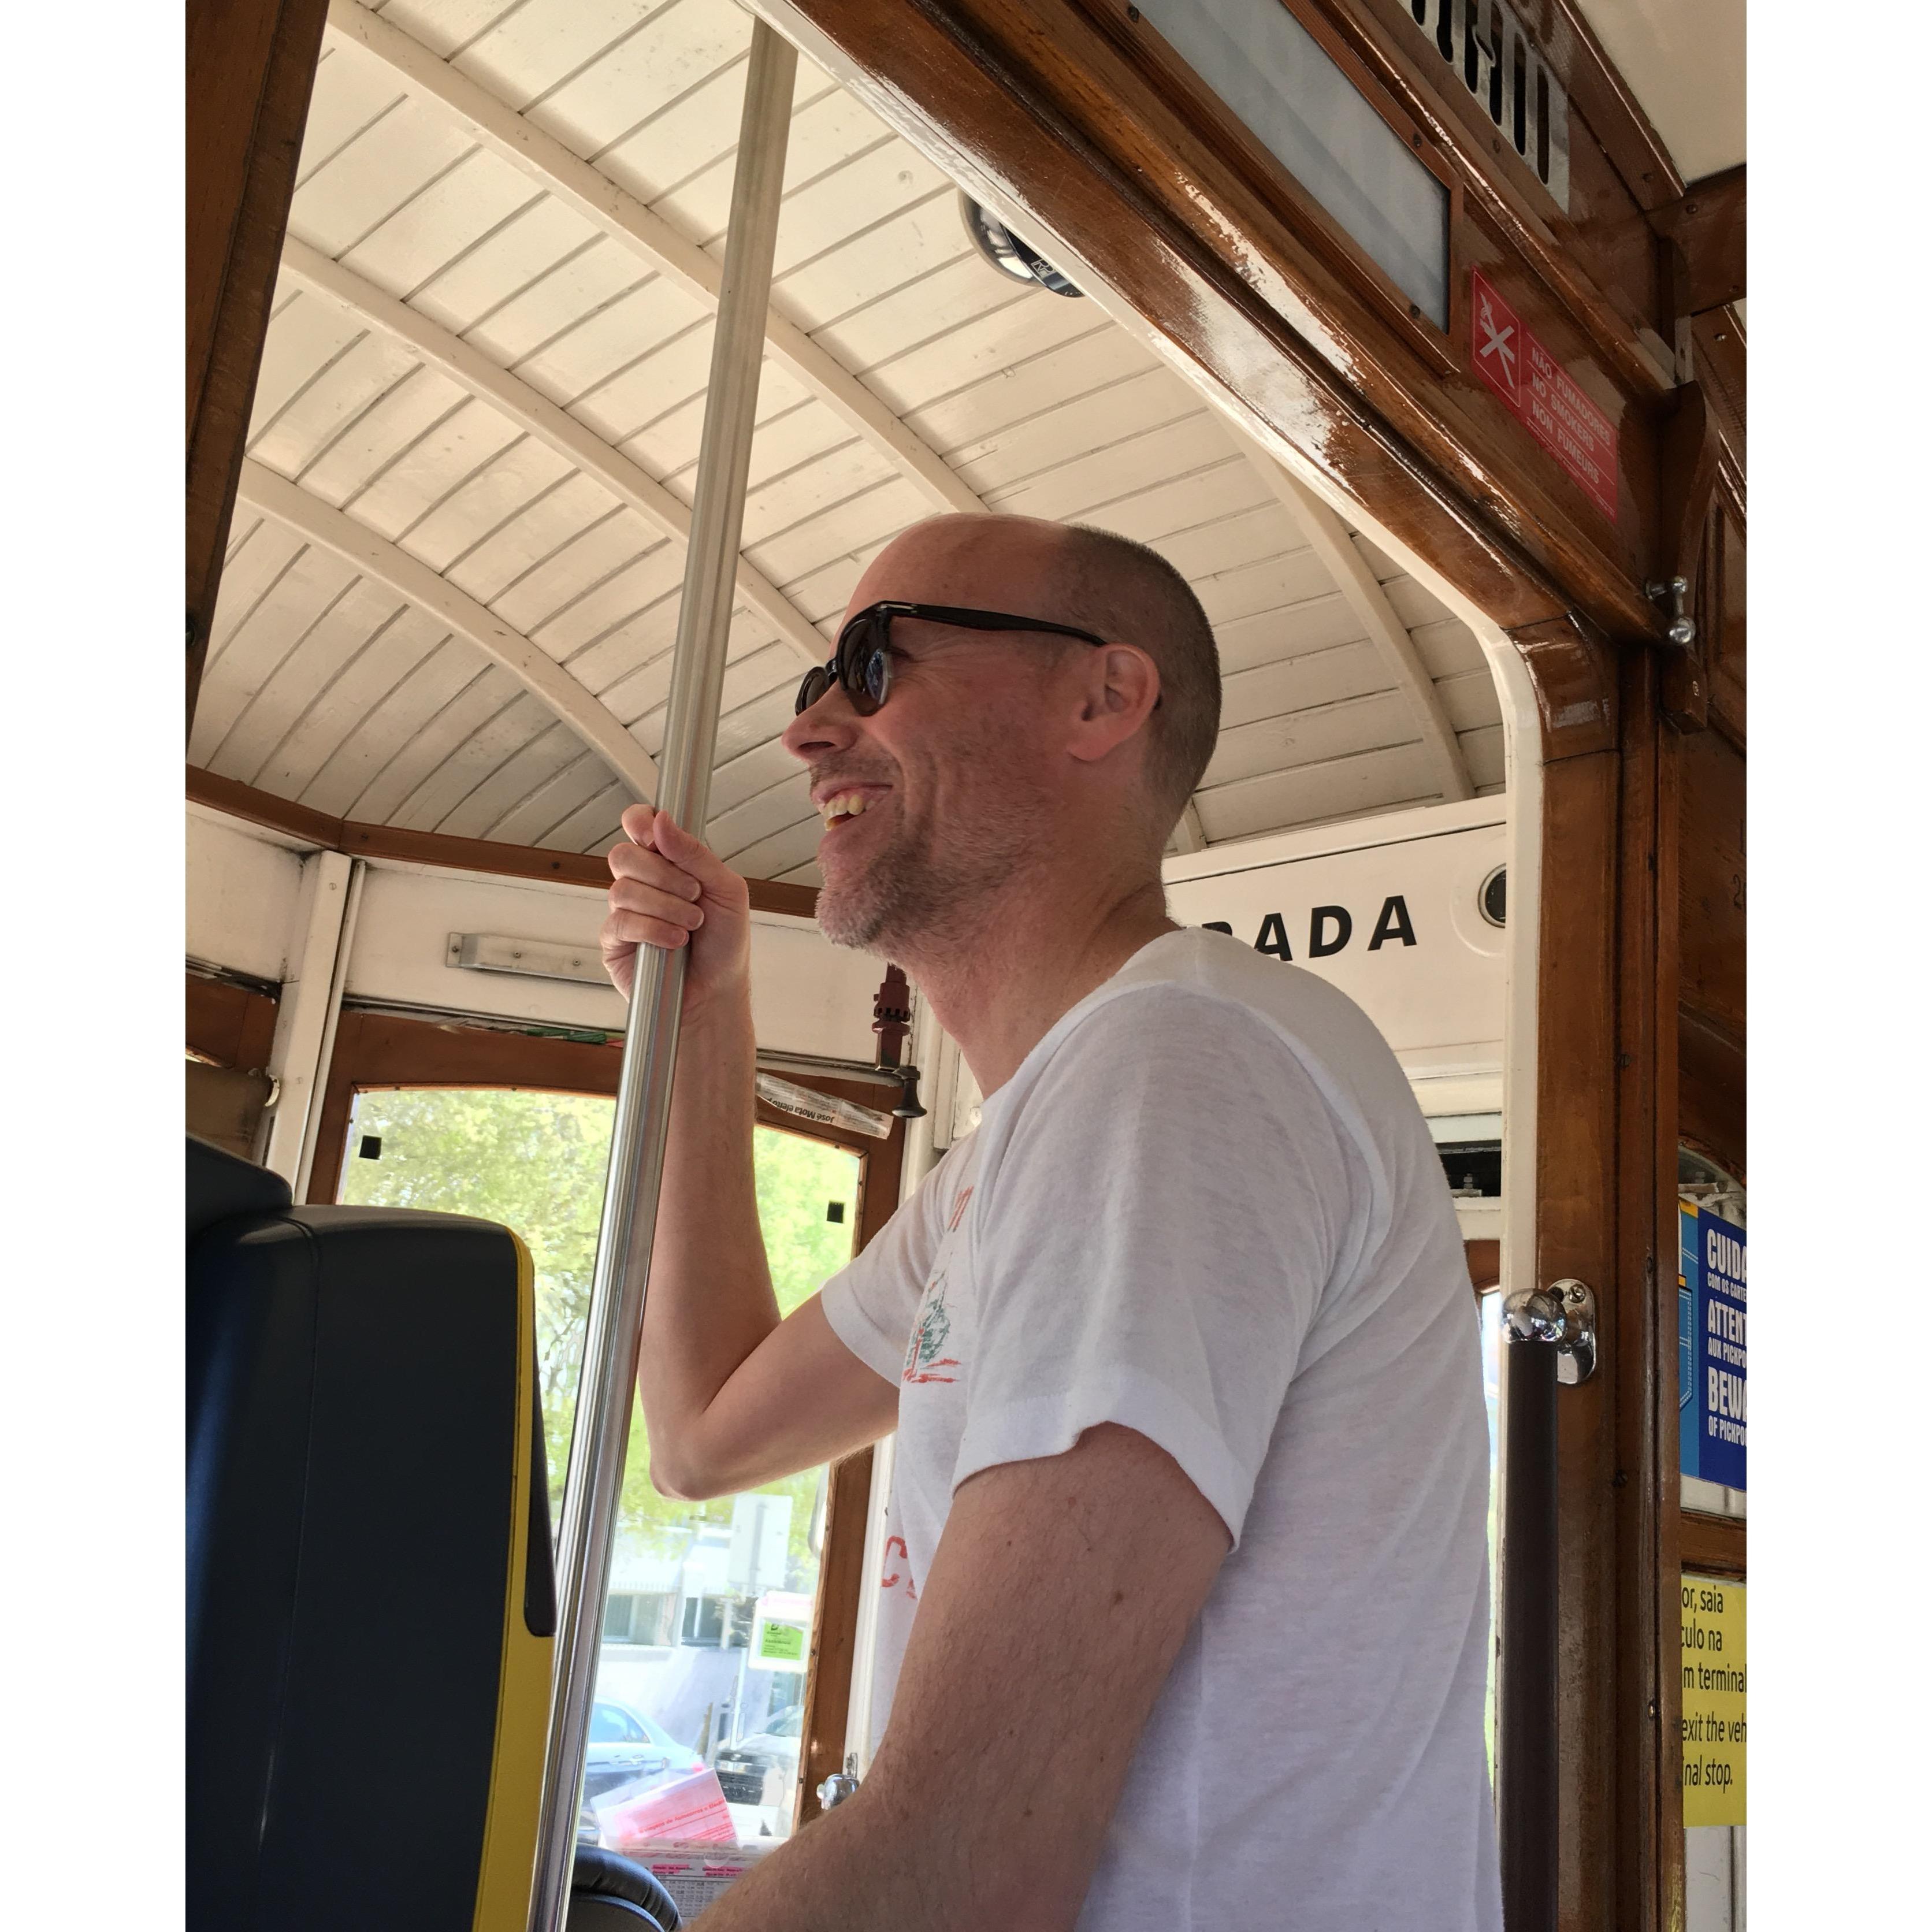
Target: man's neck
[1033, 954]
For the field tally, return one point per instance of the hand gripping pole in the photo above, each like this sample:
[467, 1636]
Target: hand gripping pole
[602, 1434]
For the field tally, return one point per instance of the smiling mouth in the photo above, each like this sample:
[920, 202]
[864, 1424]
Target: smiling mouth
[841, 805]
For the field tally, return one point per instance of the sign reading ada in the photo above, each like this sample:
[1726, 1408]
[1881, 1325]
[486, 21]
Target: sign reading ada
[1710, 1346]
[1711, 1627]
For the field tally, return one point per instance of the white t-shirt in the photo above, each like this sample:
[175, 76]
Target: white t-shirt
[1206, 1207]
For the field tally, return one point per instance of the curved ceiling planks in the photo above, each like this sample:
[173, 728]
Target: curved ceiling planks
[477, 362]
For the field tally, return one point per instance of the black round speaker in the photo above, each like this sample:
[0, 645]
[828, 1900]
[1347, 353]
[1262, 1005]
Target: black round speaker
[1493, 899]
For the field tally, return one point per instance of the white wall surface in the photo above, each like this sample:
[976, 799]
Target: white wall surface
[1440, 1002]
[807, 996]
[244, 888]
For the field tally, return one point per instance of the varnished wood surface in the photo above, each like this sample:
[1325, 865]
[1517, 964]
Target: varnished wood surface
[1485, 1261]
[1037, 101]
[229, 1025]
[1577, 1217]
[1712, 1546]
[1708, 222]
[1711, 781]
[436, 848]
[249, 67]
[834, 1631]
[1642, 1358]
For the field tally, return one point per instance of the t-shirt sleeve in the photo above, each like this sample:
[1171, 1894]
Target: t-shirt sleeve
[1153, 1240]
[871, 1302]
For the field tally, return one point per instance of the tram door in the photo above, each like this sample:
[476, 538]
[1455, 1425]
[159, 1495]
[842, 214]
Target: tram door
[725, 1648]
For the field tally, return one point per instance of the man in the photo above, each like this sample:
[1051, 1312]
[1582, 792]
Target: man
[1185, 1620]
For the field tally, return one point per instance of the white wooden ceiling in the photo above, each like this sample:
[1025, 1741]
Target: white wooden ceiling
[455, 567]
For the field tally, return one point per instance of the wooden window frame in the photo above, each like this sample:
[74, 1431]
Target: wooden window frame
[377, 1050]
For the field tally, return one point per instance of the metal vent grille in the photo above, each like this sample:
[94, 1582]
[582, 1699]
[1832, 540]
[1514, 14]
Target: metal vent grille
[1482, 41]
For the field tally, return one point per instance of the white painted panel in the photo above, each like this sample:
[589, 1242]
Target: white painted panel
[1437, 1001]
[1707, 1879]
[566, 792]
[420, 476]
[534, 50]
[1341, 788]
[1127, 408]
[351, 771]
[862, 286]
[807, 996]
[474, 286]
[244, 888]
[971, 409]
[349, 627]
[537, 532]
[480, 194]
[339, 710]
[391, 426]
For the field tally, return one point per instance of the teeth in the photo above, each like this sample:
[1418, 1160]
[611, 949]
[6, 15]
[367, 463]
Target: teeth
[846, 805]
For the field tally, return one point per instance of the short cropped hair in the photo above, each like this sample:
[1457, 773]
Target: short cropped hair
[1127, 592]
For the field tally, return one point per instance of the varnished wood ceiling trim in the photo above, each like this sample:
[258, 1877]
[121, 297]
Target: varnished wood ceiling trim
[363, 841]
[575, 442]
[649, 237]
[362, 549]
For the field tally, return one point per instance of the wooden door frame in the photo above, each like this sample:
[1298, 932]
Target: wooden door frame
[374, 1050]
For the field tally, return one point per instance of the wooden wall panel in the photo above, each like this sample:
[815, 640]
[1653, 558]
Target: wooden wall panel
[229, 1025]
[1711, 830]
[250, 65]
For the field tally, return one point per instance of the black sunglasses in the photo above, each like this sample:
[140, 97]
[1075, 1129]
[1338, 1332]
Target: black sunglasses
[863, 663]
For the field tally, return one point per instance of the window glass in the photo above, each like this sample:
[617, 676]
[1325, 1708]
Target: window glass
[707, 1630]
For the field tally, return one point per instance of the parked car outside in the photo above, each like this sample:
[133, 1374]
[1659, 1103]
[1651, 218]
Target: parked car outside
[628, 1749]
[745, 1769]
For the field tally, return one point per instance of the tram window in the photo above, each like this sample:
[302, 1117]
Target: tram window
[707, 1630]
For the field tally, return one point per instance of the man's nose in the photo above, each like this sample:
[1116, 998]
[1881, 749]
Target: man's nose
[828, 724]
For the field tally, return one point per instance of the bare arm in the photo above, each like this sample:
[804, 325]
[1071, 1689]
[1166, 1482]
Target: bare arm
[1010, 1736]
[733, 1396]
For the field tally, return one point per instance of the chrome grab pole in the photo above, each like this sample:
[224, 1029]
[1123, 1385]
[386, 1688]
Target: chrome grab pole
[602, 1434]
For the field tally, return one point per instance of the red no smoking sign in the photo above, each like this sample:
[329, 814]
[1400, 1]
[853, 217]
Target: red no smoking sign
[1540, 392]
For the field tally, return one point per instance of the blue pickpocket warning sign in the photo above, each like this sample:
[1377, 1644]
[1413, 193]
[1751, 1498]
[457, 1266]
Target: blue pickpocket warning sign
[1710, 1346]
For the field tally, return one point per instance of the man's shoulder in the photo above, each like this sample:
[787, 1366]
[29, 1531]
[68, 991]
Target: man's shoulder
[1195, 979]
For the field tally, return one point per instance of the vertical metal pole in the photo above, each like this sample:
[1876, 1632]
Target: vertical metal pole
[602, 1434]
[1526, 1675]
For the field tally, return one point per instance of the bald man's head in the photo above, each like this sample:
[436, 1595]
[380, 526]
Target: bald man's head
[1133, 595]
[1095, 581]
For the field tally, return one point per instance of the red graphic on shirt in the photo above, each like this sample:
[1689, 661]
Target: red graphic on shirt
[899, 1578]
[960, 1200]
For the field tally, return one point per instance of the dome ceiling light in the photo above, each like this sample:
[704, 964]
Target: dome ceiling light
[1007, 252]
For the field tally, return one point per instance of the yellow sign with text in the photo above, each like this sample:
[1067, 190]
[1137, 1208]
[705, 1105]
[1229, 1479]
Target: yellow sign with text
[1712, 1622]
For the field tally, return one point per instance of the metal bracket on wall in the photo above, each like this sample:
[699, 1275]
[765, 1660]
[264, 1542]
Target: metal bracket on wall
[1564, 1313]
[1683, 631]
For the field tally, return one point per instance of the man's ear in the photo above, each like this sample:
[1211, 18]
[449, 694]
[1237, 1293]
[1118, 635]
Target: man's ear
[1122, 685]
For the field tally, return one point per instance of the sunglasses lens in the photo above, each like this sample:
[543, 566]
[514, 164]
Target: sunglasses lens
[812, 687]
[863, 667]
[875, 676]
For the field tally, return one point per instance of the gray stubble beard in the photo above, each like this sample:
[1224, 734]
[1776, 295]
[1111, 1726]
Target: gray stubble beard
[914, 901]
